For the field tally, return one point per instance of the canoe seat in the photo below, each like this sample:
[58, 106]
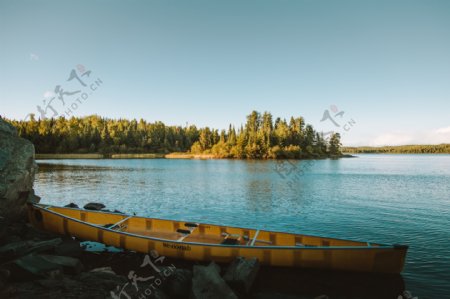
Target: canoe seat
[183, 231]
[186, 232]
[231, 239]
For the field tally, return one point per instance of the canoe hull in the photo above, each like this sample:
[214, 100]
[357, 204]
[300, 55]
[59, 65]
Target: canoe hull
[361, 259]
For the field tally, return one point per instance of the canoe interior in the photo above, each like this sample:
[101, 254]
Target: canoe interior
[208, 242]
[198, 233]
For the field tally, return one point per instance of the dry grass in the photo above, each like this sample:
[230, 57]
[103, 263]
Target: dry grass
[179, 156]
[126, 156]
[137, 156]
[189, 156]
[69, 156]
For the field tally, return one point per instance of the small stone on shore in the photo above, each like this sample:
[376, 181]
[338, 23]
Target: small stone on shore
[71, 205]
[94, 206]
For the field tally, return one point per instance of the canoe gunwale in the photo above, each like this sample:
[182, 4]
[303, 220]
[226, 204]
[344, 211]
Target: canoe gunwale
[378, 247]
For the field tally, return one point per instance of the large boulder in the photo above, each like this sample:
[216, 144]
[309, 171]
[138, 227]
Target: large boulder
[241, 274]
[17, 170]
[208, 284]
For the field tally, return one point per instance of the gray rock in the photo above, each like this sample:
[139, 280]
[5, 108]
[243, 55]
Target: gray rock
[4, 276]
[102, 279]
[3, 228]
[155, 294]
[33, 233]
[104, 269]
[14, 249]
[32, 197]
[44, 245]
[98, 283]
[178, 282]
[50, 283]
[207, 283]
[17, 249]
[95, 206]
[17, 171]
[32, 267]
[274, 295]
[86, 285]
[105, 278]
[241, 274]
[159, 295]
[69, 265]
[7, 128]
[72, 205]
[69, 248]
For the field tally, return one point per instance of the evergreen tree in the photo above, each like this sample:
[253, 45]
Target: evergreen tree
[335, 144]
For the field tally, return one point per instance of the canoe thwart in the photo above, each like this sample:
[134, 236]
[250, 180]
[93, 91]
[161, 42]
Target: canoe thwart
[230, 241]
[252, 243]
[190, 224]
[118, 225]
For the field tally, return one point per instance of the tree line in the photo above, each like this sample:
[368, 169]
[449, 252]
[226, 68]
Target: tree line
[401, 149]
[259, 138]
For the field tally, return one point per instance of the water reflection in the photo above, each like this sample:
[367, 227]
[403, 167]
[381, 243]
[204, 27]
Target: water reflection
[49, 167]
[258, 195]
[335, 285]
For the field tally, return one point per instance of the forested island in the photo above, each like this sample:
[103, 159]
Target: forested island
[401, 149]
[259, 138]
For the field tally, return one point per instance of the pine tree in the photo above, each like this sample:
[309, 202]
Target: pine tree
[335, 144]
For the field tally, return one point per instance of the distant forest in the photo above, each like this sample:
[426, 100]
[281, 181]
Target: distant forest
[402, 149]
[259, 138]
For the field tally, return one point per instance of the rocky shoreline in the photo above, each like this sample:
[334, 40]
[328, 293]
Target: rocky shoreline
[38, 264]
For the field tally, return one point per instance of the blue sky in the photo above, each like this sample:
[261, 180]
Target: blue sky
[386, 64]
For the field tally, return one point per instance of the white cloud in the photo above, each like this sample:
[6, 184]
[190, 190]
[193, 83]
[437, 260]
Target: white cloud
[34, 57]
[48, 94]
[443, 130]
[391, 139]
[436, 136]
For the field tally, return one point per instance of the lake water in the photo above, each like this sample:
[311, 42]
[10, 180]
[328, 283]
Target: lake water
[379, 198]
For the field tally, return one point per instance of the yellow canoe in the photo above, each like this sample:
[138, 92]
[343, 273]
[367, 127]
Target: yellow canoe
[208, 242]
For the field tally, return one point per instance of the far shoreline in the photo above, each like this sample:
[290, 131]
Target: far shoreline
[177, 155]
[347, 152]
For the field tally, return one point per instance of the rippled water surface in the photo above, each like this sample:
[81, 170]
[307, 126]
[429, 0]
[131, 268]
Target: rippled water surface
[378, 198]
